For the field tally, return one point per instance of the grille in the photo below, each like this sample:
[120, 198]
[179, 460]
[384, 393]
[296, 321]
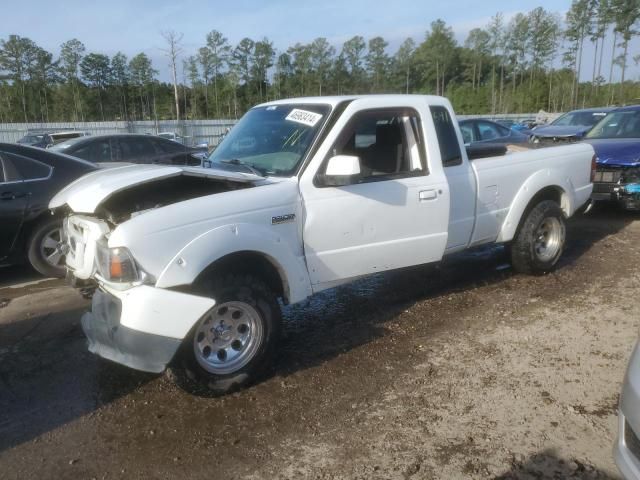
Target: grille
[631, 440]
[604, 187]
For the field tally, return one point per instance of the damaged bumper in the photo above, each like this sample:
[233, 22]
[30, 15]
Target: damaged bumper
[619, 185]
[142, 327]
[628, 196]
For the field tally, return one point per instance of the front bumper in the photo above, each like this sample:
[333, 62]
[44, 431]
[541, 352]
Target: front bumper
[623, 195]
[626, 449]
[142, 327]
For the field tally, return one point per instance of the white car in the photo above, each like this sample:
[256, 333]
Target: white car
[626, 450]
[304, 194]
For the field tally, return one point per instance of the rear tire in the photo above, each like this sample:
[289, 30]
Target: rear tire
[43, 252]
[540, 240]
[232, 345]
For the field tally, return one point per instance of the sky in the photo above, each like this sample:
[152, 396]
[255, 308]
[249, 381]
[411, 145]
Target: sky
[135, 26]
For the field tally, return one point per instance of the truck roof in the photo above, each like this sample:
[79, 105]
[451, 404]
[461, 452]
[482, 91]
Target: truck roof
[336, 99]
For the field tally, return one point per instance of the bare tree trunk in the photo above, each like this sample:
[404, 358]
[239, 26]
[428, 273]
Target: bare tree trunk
[172, 52]
[624, 69]
[206, 96]
[600, 62]
[613, 59]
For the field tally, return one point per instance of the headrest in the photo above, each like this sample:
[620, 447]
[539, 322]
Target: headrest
[388, 135]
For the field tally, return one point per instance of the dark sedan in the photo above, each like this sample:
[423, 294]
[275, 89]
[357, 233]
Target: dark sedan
[29, 178]
[479, 130]
[130, 148]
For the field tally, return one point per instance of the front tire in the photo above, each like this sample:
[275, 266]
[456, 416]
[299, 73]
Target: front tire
[43, 248]
[540, 240]
[231, 346]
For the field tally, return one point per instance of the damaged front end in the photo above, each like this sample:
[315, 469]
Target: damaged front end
[132, 321]
[618, 184]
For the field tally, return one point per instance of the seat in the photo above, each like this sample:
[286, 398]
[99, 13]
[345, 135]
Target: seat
[385, 156]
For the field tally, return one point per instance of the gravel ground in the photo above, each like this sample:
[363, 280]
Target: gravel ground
[465, 370]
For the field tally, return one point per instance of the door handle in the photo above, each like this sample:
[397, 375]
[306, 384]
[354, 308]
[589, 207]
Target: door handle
[12, 195]
[428, 195]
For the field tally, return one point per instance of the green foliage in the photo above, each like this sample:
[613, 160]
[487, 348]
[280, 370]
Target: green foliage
[501, 68]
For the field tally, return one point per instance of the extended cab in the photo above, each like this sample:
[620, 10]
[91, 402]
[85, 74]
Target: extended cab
[302, 195]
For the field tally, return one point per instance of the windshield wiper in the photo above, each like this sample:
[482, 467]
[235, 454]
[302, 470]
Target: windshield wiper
[235, 161]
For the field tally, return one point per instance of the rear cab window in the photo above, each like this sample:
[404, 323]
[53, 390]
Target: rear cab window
[447, 138]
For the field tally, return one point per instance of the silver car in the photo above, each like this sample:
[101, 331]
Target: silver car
[627, 447]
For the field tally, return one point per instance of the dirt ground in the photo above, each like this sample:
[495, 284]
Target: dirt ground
[465, 370]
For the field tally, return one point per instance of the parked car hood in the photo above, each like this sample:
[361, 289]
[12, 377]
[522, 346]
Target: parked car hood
[86, 193]
[560, 131]
[622, 152]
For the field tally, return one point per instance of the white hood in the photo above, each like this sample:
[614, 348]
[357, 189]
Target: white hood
[86, 193]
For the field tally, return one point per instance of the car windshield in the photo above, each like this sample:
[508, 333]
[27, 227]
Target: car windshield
[623, 124]
[31, 139]
[62, 146]
[575, 119]
[272, 140]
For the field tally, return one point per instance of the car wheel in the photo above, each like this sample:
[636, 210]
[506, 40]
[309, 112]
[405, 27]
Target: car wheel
[43, 248]
[230, 346]
[540, 241]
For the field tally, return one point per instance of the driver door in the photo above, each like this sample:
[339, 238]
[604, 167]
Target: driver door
[393, 215]
[13, 202]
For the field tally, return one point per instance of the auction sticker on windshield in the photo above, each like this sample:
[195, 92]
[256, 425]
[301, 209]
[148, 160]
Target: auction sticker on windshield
[304, 116]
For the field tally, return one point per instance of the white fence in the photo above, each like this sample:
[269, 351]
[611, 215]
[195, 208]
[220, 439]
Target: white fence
[209, 131]
[197, 131]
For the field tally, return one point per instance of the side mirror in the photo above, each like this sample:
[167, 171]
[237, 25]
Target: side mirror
[342, 170]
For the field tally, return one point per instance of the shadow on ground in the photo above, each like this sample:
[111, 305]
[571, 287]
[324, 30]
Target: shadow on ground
[48, 379]
[548, 465]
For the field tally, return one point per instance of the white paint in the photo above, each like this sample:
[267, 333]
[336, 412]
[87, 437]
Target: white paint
[339, 233]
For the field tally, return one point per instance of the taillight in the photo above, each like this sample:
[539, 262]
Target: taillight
[593, 168]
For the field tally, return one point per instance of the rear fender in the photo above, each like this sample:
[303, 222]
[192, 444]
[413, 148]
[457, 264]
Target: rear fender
[540, 180]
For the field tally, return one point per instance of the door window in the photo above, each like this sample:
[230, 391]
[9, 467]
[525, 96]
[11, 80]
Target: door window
[132, 149]
[467, 132]
[95, 151]
[488, 131]
[388, 143]
[17, 167]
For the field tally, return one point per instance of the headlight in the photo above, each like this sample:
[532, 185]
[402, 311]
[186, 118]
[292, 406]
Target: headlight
[116, 264]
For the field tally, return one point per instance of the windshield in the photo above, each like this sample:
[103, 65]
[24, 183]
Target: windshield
[575, 119]
[31, 139]
[59, 147]
[624, 124]
[272, 140]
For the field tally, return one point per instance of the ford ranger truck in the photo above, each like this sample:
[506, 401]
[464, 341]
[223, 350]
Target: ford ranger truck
[190, 264]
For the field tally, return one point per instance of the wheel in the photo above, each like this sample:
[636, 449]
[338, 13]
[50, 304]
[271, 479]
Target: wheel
[43, 252]
[540, 240]
[230, 346]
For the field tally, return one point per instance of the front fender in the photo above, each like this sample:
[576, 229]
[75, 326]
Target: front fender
[219, 242]
[540, 180]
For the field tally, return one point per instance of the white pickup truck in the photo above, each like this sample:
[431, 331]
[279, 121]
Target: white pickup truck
[302, 195]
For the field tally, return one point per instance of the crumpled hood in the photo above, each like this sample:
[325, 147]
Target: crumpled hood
[86, 193]
[622, 152]
[560, 131]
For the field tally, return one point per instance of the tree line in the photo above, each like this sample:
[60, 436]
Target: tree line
[533, 61]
